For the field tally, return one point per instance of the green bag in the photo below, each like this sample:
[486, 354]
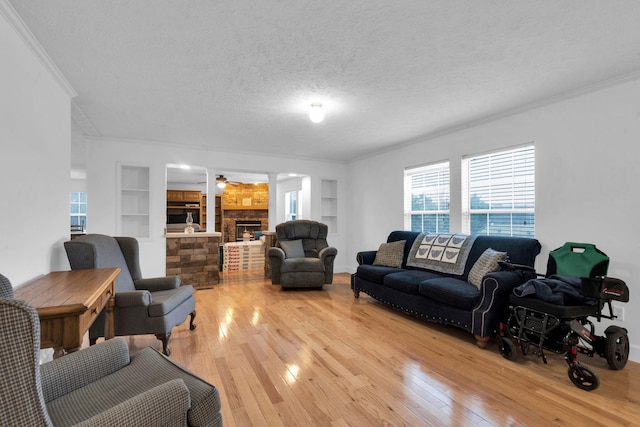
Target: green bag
[578, 259]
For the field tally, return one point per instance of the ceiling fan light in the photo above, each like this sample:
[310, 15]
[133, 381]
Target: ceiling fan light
[317, 113]
[221, 181]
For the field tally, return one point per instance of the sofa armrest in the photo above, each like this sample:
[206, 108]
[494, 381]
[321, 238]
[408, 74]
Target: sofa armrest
[506, 281]
[133, 298]
[157, 283]
[76, 370]
[366, 257]
[166, 404]
[494, 304]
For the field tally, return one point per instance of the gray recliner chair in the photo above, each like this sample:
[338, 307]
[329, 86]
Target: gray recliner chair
[99, 386]
[142, 306]
[302, 258]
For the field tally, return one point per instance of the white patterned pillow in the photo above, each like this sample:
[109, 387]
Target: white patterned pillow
[390, 254]
[486, 263]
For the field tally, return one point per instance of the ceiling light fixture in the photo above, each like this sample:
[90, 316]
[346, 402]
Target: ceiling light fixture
[221, 181]
[317, 113]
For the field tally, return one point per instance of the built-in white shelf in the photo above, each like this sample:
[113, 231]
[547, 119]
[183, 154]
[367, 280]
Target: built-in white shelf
[133, 185]
[329, 204]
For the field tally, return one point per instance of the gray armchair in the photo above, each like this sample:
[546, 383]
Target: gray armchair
[302, 258]
[99, 386]
[142, 306]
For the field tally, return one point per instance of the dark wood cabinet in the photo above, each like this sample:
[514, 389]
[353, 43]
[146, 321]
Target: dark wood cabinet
[179, 202]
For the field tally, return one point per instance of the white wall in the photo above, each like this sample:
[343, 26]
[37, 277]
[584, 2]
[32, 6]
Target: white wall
[103, 156]
[35, 139]
[587, 152]
[78, 185]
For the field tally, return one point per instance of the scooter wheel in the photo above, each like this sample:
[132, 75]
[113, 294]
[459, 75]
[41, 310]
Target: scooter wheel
[507, 348]
[617, 347]
[583, 377]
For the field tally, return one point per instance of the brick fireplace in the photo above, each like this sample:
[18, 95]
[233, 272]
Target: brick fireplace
[232, 216]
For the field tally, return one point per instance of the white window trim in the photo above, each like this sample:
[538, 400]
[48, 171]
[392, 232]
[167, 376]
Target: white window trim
[409, 172]
[466, 208]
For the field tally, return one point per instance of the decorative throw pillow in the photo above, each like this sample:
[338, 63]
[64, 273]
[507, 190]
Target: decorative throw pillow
[292, 248]
[390, 254]
[486, 263]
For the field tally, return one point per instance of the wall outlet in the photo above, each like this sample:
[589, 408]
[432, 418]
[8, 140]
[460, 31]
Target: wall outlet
[619, 313]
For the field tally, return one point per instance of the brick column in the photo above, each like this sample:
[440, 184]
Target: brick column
[196, 259]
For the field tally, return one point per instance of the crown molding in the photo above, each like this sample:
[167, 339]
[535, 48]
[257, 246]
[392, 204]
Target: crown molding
[81, 120]
[569, 94]
[21, 29]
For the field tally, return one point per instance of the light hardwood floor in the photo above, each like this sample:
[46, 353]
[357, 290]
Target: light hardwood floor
[323, 358]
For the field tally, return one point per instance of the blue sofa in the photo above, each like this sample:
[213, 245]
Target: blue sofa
[446, 298]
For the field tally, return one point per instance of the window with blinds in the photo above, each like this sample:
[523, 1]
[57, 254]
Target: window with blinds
[78, 209]
[426, 198]
[499, 192]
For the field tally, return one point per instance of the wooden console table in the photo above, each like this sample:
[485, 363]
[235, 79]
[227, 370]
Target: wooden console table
[68, 302]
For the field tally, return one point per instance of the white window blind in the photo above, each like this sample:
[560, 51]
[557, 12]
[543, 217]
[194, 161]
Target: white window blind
[426, 198]
[499, 194]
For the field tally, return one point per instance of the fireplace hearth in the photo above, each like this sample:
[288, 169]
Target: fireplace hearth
[250, 227]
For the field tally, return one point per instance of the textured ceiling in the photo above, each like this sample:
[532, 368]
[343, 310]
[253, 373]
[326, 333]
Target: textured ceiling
[240, 75]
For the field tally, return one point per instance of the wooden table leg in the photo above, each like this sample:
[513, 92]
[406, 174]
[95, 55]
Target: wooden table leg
[109, 325]
[58, 352]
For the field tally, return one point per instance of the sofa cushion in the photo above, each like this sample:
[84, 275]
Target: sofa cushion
[375, 273]
[390, 254]
[407, 281]
[408, 236]
[451, 291]
[487, 263]
[292, 248]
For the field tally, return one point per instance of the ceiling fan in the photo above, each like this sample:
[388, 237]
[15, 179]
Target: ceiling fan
[222, 182]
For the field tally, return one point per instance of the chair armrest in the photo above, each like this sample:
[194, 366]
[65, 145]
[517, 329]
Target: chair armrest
[276, 258]
[276, 253]
[327, 252]
[366, 257]
[157, 283]
[166, 404]
[76, 370]
[133, 298]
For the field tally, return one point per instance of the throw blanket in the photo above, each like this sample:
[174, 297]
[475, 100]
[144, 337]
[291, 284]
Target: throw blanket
[561, 290]
[444, 253]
